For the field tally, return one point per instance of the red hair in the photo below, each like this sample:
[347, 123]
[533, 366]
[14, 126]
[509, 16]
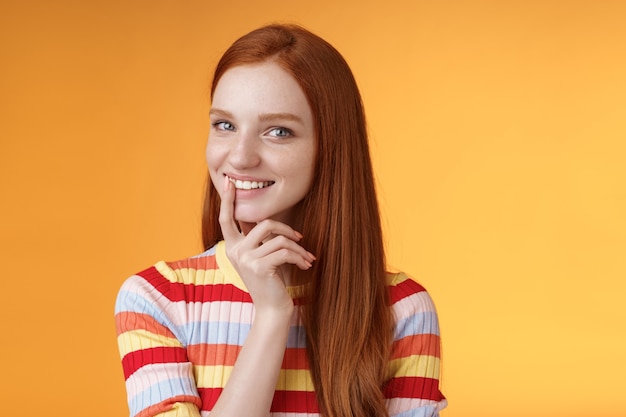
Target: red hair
[348, 320]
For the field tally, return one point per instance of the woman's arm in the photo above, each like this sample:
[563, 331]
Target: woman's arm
[159, 376]
[250, 388]
[259, 256]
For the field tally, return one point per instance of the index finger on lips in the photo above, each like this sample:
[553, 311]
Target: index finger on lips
[227, 208]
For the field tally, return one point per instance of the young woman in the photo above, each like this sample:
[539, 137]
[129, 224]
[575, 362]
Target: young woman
[290, 310]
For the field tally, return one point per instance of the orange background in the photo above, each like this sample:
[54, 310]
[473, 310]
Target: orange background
[498, 132]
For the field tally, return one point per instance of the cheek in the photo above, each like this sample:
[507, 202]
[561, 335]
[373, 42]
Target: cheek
[212, 156]
[304, 171]
[311, 163]
[209, 153]
[217, 182]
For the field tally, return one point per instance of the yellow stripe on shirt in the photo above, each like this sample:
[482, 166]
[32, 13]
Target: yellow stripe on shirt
[134, 340]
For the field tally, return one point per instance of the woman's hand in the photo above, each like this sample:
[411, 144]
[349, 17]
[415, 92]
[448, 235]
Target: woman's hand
[260, 253]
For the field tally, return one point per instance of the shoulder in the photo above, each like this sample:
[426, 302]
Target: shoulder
[171, 280]
[401, 285]
[403, 289]
[183, 271]
[411, 304]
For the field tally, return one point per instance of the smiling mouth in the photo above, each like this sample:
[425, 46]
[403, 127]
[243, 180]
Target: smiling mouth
[250, 185]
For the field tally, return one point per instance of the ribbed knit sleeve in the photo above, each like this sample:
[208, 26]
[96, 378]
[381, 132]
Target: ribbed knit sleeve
[159, 376]
[412, 389]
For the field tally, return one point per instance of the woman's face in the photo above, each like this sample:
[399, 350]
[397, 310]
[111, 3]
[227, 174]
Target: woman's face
[263, 140]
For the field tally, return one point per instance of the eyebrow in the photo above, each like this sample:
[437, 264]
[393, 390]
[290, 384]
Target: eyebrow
[263, 117]
[268, 117]
[220, 113]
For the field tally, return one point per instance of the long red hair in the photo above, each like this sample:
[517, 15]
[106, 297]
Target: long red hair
[347, 316]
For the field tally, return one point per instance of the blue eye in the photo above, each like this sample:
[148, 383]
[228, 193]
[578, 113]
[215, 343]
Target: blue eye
[222, 125]
[280, 132]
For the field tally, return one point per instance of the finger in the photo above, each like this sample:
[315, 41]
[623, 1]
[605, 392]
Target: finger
[286, 256]
[268, 229]
[279, 243]
[227, 208]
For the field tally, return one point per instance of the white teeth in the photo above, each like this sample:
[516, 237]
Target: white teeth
[250, 185]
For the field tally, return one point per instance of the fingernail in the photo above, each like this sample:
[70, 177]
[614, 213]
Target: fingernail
[311, 256]
[298, 234]
[226, 181]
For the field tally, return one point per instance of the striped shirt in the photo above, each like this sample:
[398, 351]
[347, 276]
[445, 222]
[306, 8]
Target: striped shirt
[182, 324]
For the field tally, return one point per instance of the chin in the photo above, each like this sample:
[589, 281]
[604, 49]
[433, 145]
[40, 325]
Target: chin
[248, 217]
[259, 217]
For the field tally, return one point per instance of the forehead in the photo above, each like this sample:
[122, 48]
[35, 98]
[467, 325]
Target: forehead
[265, 86]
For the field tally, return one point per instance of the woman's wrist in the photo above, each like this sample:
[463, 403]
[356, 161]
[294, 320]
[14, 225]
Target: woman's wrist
[274, 315]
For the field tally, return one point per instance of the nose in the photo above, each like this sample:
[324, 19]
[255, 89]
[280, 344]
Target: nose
[244, 152]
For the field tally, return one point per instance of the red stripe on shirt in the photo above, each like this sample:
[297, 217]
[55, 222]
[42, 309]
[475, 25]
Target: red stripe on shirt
[295, 358]
[133, 361]
[209, 397]
[404, 289]
[294, 402]
[177, 291]
[413, 387]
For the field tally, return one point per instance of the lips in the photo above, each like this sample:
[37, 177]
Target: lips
[249, 185]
